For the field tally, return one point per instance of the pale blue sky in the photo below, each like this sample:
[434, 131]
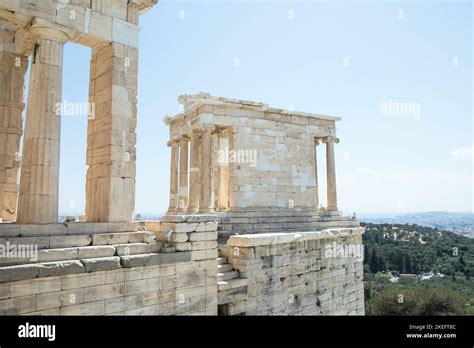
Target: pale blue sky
[342, 59]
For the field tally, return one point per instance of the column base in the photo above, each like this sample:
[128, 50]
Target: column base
[182, 210]
[206, 211]
[331, 209]
[192, 210]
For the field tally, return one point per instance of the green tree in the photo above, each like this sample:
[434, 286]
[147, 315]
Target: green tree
[408, 267]
[374, 262]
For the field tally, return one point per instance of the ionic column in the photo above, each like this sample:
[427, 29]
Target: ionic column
[12, 69]
[133, 12]
[331, 173]
[174, 144]
[316, 187]
[183, 175]
[223, 164]
[39, 182]
[206, 171]
[194, 171]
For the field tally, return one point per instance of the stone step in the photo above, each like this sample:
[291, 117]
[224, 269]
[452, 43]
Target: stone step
[123, 238]
[227, 230]
[227, 275]
[231, 284]
[221, 260]
[57, 268]
[239, 307]
[138, 248]
[280, 212]
[86, 252]
[226, 267]
[224, 299]
[66, 228]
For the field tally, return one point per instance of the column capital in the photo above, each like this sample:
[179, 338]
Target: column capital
[184, 140]
[173, 142]
[208, 127]
[330, 139]
[42, 29]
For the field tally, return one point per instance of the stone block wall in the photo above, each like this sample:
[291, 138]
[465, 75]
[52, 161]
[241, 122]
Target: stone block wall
[157, 268]
[307, 273]
[172, 267]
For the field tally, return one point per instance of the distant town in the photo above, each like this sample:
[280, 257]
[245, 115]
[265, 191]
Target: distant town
[460, 223]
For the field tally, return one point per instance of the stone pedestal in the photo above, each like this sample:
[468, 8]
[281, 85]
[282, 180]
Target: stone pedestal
[39, 183]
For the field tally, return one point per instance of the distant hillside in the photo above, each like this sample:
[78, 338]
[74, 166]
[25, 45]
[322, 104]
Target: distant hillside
[407, 248]
[461, 223]
[417, 270]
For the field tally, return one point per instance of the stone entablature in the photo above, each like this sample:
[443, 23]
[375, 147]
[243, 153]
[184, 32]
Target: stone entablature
[87, 22]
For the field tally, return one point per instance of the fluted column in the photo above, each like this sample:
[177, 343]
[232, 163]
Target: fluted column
[194, 172]
[183, 175]
[331, 172]
[12, 71]
[39, 182]
[206, 170]
[174, 144]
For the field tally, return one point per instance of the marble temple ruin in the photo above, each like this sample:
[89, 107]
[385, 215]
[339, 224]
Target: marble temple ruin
[245, 233]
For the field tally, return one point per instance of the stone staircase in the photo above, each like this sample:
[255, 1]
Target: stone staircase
[231, 288]
[62, 250]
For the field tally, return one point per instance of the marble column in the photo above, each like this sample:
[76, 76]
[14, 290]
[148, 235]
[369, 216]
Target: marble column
[12, 72]
[112, 137]
[133, 12]
[39, 182]
[316, 186]
[194, 172]
[331, 173]
[174, 144]
[183, 175]
[223, 167]
[206, 205]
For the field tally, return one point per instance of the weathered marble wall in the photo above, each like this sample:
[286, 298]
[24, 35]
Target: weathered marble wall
[307, 273]
[120, 269]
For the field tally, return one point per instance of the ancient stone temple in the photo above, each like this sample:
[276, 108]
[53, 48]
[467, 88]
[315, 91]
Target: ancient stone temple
[245, 232]
[255, 168]
[253, 165]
